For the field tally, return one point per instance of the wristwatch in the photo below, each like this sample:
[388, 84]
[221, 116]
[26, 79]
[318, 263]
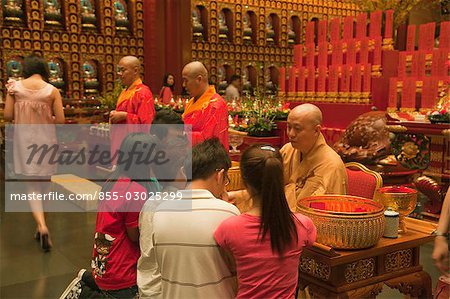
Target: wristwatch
[439, 234]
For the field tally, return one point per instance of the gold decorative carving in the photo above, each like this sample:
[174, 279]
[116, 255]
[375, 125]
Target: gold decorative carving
[397, 128]
[317, 269]
[360, 270]
[397, 260]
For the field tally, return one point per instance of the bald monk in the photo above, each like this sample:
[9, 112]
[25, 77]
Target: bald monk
[135, 105]
[311, 167]
[206, 111]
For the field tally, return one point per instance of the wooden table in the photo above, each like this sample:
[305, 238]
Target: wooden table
[333, 273]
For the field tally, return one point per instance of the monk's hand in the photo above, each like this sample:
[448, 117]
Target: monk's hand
[117, 116]
[441, 255]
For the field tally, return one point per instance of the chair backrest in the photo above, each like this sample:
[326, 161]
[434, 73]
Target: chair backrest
[362, 181]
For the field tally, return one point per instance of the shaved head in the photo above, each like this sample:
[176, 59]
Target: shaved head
[129, 70]
[303, 127]
[309, 112]
[131, 61]
[195, 78]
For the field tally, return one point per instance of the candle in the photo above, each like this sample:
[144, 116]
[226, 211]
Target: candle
[367, 78]
[421, 65]
[292, 79]
[411, 38]
[375, 24]
[415, 64]
[335, 30]
[311, 87]
[323, 54]
[321, 80]
[435, 63]
[361, 26]
[322, 38]
[351, 53]
[345, 78]
[444, 36]
[301, 80]
[377, 51]
[426, 101]
[356, 78]
[393, 93]
[364, 52]
[337, 55]
[409, 93]
[388, 23]
[333, 79]
[348, 28]
[309, 37]
[310, 55]
[298, 55]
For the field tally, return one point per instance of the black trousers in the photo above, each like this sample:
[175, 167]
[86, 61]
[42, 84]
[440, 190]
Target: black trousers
[90, 290]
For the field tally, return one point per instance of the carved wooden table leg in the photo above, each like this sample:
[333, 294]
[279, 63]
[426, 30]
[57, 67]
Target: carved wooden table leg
[366, 292]
[417, 284]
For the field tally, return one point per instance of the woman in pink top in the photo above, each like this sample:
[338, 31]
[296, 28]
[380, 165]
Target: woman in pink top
[267, 241]
[35, 106]
[166, 93]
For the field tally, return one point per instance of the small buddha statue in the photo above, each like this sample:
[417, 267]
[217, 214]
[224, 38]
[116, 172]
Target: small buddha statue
[90, 78]
[270, 33]
[120, 15]
[223, 28]
[56, 74]
[14, 69]
[12, 10]
[291, 33]
[197, 26]
[52, 12]
[87, 14]
[248, 32]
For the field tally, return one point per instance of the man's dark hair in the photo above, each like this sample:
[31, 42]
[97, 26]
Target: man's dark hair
[33, 65]
[234, 77]
[164, 117]
[208, 157]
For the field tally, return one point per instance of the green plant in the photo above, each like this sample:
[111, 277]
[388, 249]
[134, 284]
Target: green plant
[109, 99]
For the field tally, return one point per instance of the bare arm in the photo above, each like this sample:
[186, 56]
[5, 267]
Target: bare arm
[8, 112]
[58, 110]
[133, 233]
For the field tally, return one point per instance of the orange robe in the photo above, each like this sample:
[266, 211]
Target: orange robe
[137, 101]
[319, 172]
[208, 117]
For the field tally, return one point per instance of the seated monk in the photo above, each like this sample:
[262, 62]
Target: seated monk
[311, 167]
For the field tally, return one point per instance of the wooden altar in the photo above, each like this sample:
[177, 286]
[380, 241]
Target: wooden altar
[333, 273]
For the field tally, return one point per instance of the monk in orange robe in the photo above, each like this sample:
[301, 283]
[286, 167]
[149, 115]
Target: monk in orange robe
[310, 166]
[135, 105]
[206, 111]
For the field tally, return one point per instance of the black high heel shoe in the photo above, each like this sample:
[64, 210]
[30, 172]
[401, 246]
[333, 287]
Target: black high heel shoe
[37, 236]
[45, 245]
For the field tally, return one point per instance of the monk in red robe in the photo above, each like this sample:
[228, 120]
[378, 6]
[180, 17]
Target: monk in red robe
[135, 105]
[206, 111]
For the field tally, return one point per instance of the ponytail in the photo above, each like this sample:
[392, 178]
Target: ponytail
[262, 170]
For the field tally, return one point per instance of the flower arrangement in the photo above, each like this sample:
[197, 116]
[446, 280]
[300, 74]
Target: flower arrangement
[441, 114]
[175, 105]
[109, 99]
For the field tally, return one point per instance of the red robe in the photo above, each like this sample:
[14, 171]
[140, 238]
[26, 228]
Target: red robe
[165, 95]
[137, 101]
[208, 117]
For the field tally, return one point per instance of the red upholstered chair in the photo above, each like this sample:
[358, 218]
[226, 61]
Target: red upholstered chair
[362, 181]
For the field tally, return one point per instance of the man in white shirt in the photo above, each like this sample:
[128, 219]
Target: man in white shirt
[232, 91]
[179, 256]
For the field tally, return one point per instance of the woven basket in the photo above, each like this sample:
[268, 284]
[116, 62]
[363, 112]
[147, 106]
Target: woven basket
[344, 222]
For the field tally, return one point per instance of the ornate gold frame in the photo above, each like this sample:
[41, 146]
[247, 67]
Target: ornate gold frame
[359, 166]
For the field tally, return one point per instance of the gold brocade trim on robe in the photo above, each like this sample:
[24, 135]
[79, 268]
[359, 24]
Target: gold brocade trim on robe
[129, 92]
[201, 103]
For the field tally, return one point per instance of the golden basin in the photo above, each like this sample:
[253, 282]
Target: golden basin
[343, 221]
[398, 198]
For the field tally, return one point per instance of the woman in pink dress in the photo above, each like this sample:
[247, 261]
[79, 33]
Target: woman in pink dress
[266, 242]
[35, 106]
[166, 93]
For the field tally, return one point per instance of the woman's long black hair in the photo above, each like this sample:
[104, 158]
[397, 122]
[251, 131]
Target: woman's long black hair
[262, 173]
[166, 76]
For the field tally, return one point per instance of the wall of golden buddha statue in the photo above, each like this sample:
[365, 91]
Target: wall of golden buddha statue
[82, 40]
[253, 38]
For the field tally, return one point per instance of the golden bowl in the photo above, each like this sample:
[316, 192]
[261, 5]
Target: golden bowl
[398, 198]
[343, 221]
